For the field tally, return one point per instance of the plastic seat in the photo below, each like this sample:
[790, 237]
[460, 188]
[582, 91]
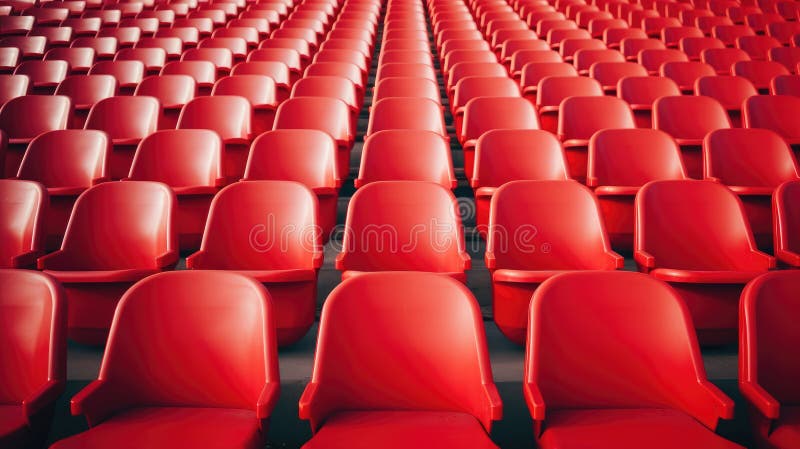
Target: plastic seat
[534, 72]
[288, 56]
[610, 73]
[23, 118]
[406, 113]
[189, 36]
[730, 91]
[172, 92]
[617, 168]
[689, 119]
[302, 46]
[9, 57]
[554, 89]
[66, 163]
[511, 46]
[262, 26]
[332, 87]
[473, 87]
[765, 374]
[148, 392]
[127, 73]
[230, 116]
[13, 86]
[109, 17]
[569, 47]
[757, 46]
[278, 71]
[557, 36]
[777, 113]
[30, 47]
[694, 235]
[504, 155]
[653, 26]
[79, 60]
[16, 25]
[236, 45]
[307, 156]
[152, 58]
[789, 57]
[579, 118]
[33, 320]
[681, 410]
[456, 56]
[126, 36]
[222, 58]
[708, 23]
[406, 87]
[653, 59]
[406, 155]
[259, 90]
[752, 163]
[410, 208]
[399, 407]
[694, 46]
[349, 56]
[631, 47]
[397, 70]
[786, 222]
[44, 76]
[722, 59]
[524, 57]
[118, 233]
[760, 73]
[484, 114]
[238, 239]
[547, 239]
[686, 73]
[173, 46]
[672, 36]
[24, 206]
[126, 120]
[785, 85]
[613, 37]
[730, 33]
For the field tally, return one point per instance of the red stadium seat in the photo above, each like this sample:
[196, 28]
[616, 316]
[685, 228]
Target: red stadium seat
[408, 87]
[757, 46]
[189, 36]
[760, 73]
[722, 59]
[278, 71]
[118, 234]
[85, 91]
[585, 59]
[400, 407]
[610, 73]
[84, 26]
[556, 36]
[127, 73]
[325, 114]
[407, 211]
[775, 112]
[672, 36]
[330, 87]
[695, 46]
[393, 70]
[152, 58]
[534, 72]
[24, 118]
[710, 272]
[126, 36]
[730, 33]
[126, 120]
[236, 45]
[30, 47]
[204, 73]
[24, 206]
[230, 116]
[33, 319]
[487, 113]
[221, 57]
[406, 155]
[473, 87]
[172, 92]
[259, 90]
[406, 113]
[614, 36]
[13, 86]
[79, 59]
[504, 155]
[44, 76]
[532, 237]
[653, 59]
[307, 156]
[785, 85]
[9, 57]
[730, 91]
[765, 372]
[150, 394]
[66, 163]
[554, 89]
[579, 118]
[689, 119]
[268, 231]
[680, 410]
[301, 46]
[752, 163]
[788, 56]
[631, 47]
[787, 220]
[189, 162]
[686, 73]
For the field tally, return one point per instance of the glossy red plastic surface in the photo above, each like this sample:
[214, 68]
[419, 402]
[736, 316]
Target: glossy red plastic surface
[24, 118]
[151, 394]
[554, 89]
[433, 388]
[128, 73]
[403, 226]
[118, 233]
[532, 237]
[666, 399]
[268, 230]
[406, 155]
[760, 73]
[775, 112]
[695, 236]
[23, 205]
[33, 357]
[786, 217]
[13, 86]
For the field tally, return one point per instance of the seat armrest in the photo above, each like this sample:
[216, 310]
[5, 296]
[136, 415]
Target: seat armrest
[306, 400]
[645, 259]
[25, 259]
[194, 260]
[45, 395]
[267, 400]
[168, 259]
[494, 402]
[49, 261]
[535, 401]
[756, 395]
[96, 402]
[491, 261]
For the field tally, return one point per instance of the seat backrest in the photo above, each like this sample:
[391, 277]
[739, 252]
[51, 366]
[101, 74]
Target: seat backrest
[476, 86]
[179, 158]
[410, 155]
[748, 157]
[686, 73]
[409, 87]
[689, 117]
[28, 116]
[722, 59]
[632, 158]
[645, 90]
[652, 59]
[66, 158]
[588, 314]
[228, 115]
[693, 225]
[307, 156]
[529, 229]
[22, 208]
[504, 155]
[768, 307]
[176, 310]
[125, 117]
[486, 113]
[262, 225]
[13, 86]
[172, 91]
[406, 113]
[402, 225]
[127, 73]
[278, 71]
[760, 73]
[259, 90]
[419, 317]
[204, 73]
[581, 117]
[553, 89]
[609, 73]
[327, 86]
[86, 90]
[775, 112]
[325, 114]
[120, 225]
[786, 215]
[33, 325]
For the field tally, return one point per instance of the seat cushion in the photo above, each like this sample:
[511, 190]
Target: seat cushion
[13, 426]
[628, 429]
[171, 427]
[398, 429]
[786, 432]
